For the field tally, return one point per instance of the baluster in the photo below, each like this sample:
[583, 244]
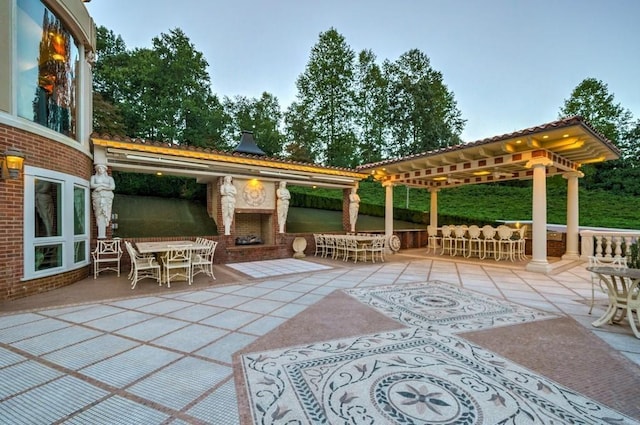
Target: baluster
[628, 241]
[618, 246]
[598, 246]
[607, 251]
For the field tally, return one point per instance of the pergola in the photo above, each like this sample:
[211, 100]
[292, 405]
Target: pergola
[559, 147]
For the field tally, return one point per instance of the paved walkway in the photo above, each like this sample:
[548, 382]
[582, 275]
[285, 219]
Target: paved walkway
[158, 356]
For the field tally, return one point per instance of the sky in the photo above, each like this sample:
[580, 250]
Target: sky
[509, 63]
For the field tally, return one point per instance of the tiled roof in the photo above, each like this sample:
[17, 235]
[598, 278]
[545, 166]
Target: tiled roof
[199, 149]
[562, 123]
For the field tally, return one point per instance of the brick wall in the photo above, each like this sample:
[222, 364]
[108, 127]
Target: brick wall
[43, 153]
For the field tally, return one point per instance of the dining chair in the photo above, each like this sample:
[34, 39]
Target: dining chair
[377, 248]
[475, 243]
[617, 262]
[177, 263]
[506, 243]
[489, 242]
[106, 256]
[521, 244]
[142, 266]
[329, 246]
[355, 250]
[202, 260]
[320, 244]
[447, 240]
[433, 239]
[459, 240]
[340, 250]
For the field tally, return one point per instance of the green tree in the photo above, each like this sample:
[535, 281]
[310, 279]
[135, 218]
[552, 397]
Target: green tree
[591, 100]
[110, 55]
[325, 96]
[262, 116]
[630, 145]
[107, 118]
[422, 111]
[180, 86]
[301, 140]
[162, 93]
[372, 107]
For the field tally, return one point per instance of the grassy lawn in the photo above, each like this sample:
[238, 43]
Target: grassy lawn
[146, 216]
[488, 203]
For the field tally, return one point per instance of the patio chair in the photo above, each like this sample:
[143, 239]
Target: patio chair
[475, 243]
[340, 250]
[447, 240]
[520, 244]
[320, 244]
[459, 240]
[106, 256]
[489, 242]
[142, 266]
[506, 243]
[202, 260]
[377, 248]
[617, 262]
[329, 246]
[433, 240]
[177, 263]
[355, 250]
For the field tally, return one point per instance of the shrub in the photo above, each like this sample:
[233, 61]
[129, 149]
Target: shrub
[633, 260]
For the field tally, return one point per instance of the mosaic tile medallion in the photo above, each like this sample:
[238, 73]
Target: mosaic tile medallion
[444, 307]
[409, 376]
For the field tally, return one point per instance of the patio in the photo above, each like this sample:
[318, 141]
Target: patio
[98, 351]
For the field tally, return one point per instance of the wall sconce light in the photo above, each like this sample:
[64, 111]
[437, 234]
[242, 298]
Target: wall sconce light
[11, 162]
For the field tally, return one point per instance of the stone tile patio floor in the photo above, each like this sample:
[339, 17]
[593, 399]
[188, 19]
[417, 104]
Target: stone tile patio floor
[98, 352]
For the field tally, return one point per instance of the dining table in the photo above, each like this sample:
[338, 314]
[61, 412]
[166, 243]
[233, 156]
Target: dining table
[623, 292]
[159, 247]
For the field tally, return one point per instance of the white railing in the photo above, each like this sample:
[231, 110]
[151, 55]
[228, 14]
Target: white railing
[606, 245]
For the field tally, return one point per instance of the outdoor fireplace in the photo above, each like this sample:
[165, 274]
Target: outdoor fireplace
[255, 227]
[254, 215]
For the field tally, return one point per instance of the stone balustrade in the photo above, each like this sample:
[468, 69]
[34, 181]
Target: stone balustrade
[606, 245]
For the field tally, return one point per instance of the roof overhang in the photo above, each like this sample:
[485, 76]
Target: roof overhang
[207, 165]
[568, 144]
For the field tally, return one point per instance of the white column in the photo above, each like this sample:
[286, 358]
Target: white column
[433, 210]
[573, 216]
[388, 209]
[539, 261]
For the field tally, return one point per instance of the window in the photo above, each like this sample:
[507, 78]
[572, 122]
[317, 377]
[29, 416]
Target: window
[56, 222]
[47, 58]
